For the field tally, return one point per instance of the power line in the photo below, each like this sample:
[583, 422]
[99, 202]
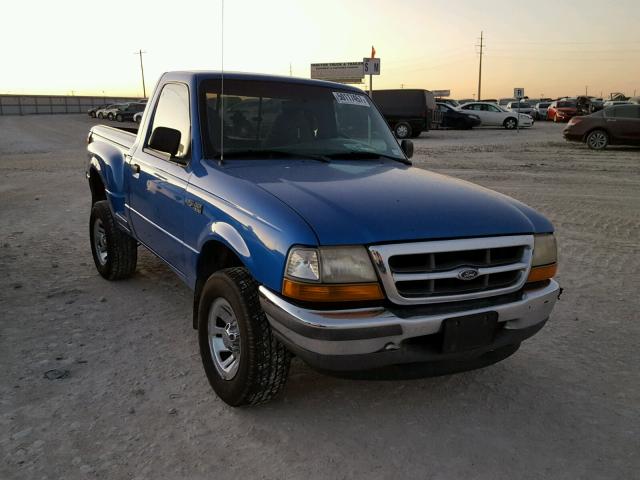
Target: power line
[144, 89]
[481, 45]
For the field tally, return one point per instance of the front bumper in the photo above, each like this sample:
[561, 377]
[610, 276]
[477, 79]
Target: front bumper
[572, 137]
[359, 339]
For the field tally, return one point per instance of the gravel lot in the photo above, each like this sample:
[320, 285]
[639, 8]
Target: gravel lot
[136, 403]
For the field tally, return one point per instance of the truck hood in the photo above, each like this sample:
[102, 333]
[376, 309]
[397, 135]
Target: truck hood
[368, 202]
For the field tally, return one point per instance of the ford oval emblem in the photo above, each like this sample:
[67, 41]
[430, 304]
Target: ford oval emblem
[468, 274]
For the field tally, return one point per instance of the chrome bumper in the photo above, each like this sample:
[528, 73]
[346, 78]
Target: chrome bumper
[373, 330]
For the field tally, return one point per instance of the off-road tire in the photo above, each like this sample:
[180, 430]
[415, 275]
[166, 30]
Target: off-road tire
[597, 140]
[510, 123]
[122, 250]
[402, 130]
[264, 361]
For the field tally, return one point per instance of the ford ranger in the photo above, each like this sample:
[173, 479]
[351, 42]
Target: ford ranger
[298, 221]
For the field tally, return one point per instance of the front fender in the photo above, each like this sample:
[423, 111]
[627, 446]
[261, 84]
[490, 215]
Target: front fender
[230, 236]
[260, 232]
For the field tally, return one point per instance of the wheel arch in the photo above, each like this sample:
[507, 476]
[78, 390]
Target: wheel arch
[215, 254]
[96, 185]
[593, 129]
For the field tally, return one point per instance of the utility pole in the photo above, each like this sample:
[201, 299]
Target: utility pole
[290, 70]
[481, 45]
[586, 90]
[144, 89]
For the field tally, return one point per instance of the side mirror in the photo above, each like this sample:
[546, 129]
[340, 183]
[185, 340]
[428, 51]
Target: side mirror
[407, 148]
[165, 140]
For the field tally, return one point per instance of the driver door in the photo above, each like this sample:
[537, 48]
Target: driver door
[157, 181]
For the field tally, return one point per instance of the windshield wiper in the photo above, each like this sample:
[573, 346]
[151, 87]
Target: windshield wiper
[271, 154]
[367, 156]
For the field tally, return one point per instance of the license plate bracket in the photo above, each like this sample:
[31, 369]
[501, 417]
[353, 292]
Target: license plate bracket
[469, 331]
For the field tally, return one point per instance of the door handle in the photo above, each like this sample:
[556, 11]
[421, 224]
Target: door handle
[135, 168]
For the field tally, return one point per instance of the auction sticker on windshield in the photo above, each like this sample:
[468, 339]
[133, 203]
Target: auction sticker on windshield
[351, 99]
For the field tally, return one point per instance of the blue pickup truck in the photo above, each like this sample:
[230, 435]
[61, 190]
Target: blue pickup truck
[298, 221]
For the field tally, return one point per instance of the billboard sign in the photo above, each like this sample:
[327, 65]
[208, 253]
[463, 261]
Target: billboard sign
[343, 72]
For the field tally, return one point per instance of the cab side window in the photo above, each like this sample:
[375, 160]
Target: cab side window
[626, 111]
[172, 111]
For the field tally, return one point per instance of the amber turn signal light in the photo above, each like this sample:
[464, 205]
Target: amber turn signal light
[309, 292]
[538, 274]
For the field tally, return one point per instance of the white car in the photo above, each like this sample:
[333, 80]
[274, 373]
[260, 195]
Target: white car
[522, 107]
[492, 115]
[503, 102]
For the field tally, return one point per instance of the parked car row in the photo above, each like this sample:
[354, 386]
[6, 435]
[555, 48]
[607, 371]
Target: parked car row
[121, 112]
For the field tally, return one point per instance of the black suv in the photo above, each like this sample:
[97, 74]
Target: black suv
[453, 118]
[126, 111]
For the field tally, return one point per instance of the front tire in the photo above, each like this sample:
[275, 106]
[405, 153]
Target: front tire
[244, 362]
[114, 252]
[402, 130]
[110, 116]
[100, 115]
[597, 140]
[510, 123]
[119, 118]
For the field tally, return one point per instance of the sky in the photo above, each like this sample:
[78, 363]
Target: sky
[550, 48]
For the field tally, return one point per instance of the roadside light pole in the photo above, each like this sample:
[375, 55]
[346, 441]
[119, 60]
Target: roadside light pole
[144, 89]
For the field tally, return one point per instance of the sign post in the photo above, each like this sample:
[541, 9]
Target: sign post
[371, 67]
[518, 93]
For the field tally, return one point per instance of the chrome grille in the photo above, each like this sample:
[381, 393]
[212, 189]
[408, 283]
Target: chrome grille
[430, 272]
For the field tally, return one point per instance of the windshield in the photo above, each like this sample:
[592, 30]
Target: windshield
[295, 119]
[567, 104]
[543, 105]
[522, 105]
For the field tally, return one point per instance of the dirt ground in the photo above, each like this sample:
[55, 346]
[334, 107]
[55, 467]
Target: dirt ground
[134, 402]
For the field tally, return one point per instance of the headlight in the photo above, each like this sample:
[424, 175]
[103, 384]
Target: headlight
[303, 264]
[330, 274]
[545, 250]
[544, 264]
[346, 265]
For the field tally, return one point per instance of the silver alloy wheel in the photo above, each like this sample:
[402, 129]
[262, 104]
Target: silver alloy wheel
[510, 124]
[100, 241]
[402, 131]
[224, 338]
[597, 140]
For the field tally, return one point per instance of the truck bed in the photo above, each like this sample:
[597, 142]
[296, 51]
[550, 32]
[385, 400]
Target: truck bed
[122, 136]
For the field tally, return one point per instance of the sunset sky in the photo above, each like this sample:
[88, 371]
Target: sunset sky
[548, 47]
